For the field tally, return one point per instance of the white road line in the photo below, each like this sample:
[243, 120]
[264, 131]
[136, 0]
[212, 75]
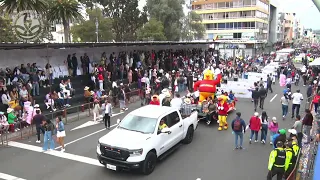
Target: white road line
[76, 140]
[63, 155]
[9, 177]
[273, 97]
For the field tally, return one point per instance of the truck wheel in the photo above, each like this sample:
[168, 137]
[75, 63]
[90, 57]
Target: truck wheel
[149, 163]
[189, 137]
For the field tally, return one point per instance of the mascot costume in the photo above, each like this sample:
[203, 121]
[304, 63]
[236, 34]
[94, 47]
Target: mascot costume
[207, 86]
[223, 109]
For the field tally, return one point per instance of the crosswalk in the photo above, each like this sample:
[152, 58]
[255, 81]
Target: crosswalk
[55, 153]
[4, 176]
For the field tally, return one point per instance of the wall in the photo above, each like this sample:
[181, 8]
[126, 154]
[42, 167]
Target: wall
[12, 58]
[273, 25]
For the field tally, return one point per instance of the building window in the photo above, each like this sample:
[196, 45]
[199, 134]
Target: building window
[221, 5]
[221, 25]
[247, 2]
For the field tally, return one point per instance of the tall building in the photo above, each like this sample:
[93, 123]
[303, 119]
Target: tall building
[289, 27]
[243, 23]
[280, 27]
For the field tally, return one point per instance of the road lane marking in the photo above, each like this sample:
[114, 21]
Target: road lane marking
[76, 140]
[273, 97]
[9, 177]
[63, 155]
[92, 123]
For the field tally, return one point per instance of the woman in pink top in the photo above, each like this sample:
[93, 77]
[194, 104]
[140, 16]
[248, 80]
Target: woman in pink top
[273, 128]
[130, 76]
[255, 126]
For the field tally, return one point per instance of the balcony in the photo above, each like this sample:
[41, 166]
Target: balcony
[230, 28]
[238, 17]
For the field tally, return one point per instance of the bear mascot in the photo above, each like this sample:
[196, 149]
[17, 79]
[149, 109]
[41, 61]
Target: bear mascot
[223, 109]
[207, 86]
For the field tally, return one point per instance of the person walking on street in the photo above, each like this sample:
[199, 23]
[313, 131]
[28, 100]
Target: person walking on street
[264, 127]
[107, 114]
[285, 105]
[279, 161]
[48, 135]
[315, 102]
[255, 96]
[309, 92]
[297, 98]
[298, 127]
[269, 84]
[263, 94]
[238, 126]
[255, 126]
[307, 125]
[37, 120]
[61, 133]
[273, 128]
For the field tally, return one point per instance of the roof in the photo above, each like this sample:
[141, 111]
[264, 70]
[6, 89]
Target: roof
[152, 111]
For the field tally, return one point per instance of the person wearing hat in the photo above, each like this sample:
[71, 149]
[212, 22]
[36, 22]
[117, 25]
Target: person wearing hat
[291, 156]
[87, 94]
[273, 127]
[279, 161]
[12, 119]
[155, 100]
[166, 101]
[255, 126]
[163, 95]
[186, 107]
[280, 136]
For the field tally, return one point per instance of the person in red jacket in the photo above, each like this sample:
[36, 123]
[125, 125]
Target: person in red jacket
[223, 109]
[255, 126]
[101, 79]
[155, 100]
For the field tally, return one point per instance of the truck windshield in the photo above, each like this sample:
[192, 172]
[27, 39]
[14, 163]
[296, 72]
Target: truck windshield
[139, 124]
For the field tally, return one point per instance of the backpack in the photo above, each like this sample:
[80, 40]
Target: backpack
[237, 125]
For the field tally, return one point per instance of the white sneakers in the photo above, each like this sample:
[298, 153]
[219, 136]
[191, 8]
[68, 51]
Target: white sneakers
[263, 142]
[63, 150]
[38, 142]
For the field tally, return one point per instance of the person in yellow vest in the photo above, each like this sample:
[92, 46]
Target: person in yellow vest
[279, 161]
[293, 159]
[162, 125]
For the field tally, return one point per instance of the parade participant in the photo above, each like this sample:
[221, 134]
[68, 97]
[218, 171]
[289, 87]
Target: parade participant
[186, 107]
[166, 101]
[176, 102]
[255, 96]
[212, 108]
[280, 136]
[207, 86]
[278, 162]
[163, 94]
[155, 100]
[255, 126]
[263, 94]
[223, 109]
[290, 154]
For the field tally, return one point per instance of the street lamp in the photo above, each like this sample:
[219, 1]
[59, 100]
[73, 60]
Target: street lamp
[97, 29]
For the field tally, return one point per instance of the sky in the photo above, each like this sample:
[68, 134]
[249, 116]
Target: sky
[305, 10]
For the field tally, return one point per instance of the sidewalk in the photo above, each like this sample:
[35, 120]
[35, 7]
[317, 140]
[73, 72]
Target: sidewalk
[69, 118]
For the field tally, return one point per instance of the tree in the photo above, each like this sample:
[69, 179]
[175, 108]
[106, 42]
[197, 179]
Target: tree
[86, 30]
[6, 33]
[193, 28]
[152, 30]
[11, 6]
[170, 13]
[65, 11]
[126, 17]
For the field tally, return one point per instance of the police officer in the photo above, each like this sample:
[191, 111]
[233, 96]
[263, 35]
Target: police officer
[278, 162]
[293, 158]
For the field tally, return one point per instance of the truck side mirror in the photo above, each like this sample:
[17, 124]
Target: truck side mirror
[166, 131]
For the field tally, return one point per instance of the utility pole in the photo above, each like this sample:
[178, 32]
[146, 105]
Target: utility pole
[97, 22]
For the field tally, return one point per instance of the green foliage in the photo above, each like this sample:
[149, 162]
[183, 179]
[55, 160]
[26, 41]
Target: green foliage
[86, 30]
[6, 33]
[126, 18]
[66, 12]
[152, 31]
[170, 13]
[11, 6]
[193, 28]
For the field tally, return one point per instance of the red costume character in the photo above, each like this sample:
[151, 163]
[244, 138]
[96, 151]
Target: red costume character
[223, 109]
[207, 86]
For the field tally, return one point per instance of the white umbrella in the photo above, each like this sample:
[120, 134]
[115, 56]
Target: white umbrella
[316, 62]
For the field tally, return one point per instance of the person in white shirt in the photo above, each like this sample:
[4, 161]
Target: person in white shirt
[107, 113]
[5, 98]
[63, 88]
[297, 98]
[285, 106]
[176, 102]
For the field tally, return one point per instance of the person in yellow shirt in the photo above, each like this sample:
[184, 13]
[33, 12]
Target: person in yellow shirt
[293, 148]
[279, 161]
[162, 125]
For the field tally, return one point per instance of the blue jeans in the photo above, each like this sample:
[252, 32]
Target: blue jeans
[264, 132]
[254, 133]
[35, 89]
[284, 110]
[48, 141]
[236, 136]
[271, 136]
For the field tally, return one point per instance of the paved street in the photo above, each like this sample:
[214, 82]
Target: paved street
[209, 156]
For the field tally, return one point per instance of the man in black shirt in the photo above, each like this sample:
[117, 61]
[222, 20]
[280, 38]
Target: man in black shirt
[269, 84]
[263, 94]
[37, 119]
[255, 97]
[74, 64]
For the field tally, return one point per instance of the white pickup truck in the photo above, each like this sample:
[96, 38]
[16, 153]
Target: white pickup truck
[137, 143]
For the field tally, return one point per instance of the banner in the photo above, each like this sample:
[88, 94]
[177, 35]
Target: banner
[240, 89]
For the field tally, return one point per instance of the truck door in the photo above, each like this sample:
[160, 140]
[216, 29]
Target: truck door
[163, 139]
[176, 127]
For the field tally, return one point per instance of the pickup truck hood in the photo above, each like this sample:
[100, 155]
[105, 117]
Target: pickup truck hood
[124, 139]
